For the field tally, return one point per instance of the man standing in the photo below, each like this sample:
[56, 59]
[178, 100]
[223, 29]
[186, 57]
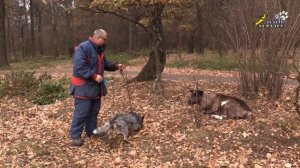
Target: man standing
[88, 85]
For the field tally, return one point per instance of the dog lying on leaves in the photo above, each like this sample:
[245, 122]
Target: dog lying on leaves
[220, 106]
[122, 123]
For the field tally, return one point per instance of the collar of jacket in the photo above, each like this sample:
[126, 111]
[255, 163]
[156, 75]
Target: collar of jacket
[99, 49]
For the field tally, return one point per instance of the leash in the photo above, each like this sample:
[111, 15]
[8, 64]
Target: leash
[125, 80]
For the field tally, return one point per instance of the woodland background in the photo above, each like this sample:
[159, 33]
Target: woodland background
[169, 47]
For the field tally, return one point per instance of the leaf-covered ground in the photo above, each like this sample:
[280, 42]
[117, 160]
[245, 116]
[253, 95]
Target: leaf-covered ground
[38, 136]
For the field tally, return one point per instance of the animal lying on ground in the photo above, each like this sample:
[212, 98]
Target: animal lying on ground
[220, 106]
[122, 123]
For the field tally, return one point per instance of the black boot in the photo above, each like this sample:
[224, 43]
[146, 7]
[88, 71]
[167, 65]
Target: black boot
[77, 142]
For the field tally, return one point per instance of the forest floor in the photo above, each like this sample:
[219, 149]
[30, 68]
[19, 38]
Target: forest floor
[38, 136]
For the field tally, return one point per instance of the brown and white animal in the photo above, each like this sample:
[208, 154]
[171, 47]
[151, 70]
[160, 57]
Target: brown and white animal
[220, 106]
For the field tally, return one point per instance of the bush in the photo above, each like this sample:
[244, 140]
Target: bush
[41, 90]
[44, 77]
[65, 81]
[20, 83]
[48, 92]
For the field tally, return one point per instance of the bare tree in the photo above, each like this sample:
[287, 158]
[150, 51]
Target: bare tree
[217, 36]
[262, 51]
[132, 31]
[3, 52]
[8, 33]
[39, 12]
[24, 29]
[156, 62]
[54, 16]
[32, 36]
[296, 67]
[68, 30]
[199, 26]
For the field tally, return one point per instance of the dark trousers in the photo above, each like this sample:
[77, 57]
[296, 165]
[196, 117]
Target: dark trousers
[84, 116]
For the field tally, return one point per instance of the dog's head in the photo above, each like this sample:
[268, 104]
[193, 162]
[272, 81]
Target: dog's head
[196, 96]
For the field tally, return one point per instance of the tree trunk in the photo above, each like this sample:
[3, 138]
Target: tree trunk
[40, 31]
[218, 42]
[178, 38]
[131, 37]
[191, 40]
[26, 35]
[132, 31]
[24, 22]
[23, 39]
[11, 49]
[54, 27]
[157, 60]
[70, 45]
[3, 52]
[8, 40]
[199, 28]
[148, 72]
[32, 48]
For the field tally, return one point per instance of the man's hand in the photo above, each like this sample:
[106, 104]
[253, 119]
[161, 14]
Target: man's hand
[99, 78]
[121, 67]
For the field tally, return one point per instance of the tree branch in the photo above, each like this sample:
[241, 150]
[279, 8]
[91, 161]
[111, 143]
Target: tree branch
[100, 10]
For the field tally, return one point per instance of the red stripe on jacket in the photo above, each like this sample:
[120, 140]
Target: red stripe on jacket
[77, 81]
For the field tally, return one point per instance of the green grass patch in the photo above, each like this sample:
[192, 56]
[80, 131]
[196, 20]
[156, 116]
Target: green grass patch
[35, 63]
[179, 64]
[122, 58]
[2, 68]
[205, 62]
[216, 64]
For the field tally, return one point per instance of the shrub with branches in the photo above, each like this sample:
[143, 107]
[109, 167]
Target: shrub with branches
[262, 52]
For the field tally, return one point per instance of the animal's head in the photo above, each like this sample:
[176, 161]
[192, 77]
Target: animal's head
[196, 96]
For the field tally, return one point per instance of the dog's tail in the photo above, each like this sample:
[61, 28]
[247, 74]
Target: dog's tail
[102, 130]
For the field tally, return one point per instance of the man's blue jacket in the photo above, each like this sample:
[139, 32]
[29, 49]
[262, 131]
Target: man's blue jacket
[88, 62]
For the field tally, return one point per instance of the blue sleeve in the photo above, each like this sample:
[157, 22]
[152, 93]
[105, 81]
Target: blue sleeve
[81, 65]
[109, 66]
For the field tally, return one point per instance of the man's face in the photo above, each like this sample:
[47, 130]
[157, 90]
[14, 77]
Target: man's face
[101, 40]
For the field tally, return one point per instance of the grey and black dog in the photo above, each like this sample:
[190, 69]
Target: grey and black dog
[220, 105]
[123, 123]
